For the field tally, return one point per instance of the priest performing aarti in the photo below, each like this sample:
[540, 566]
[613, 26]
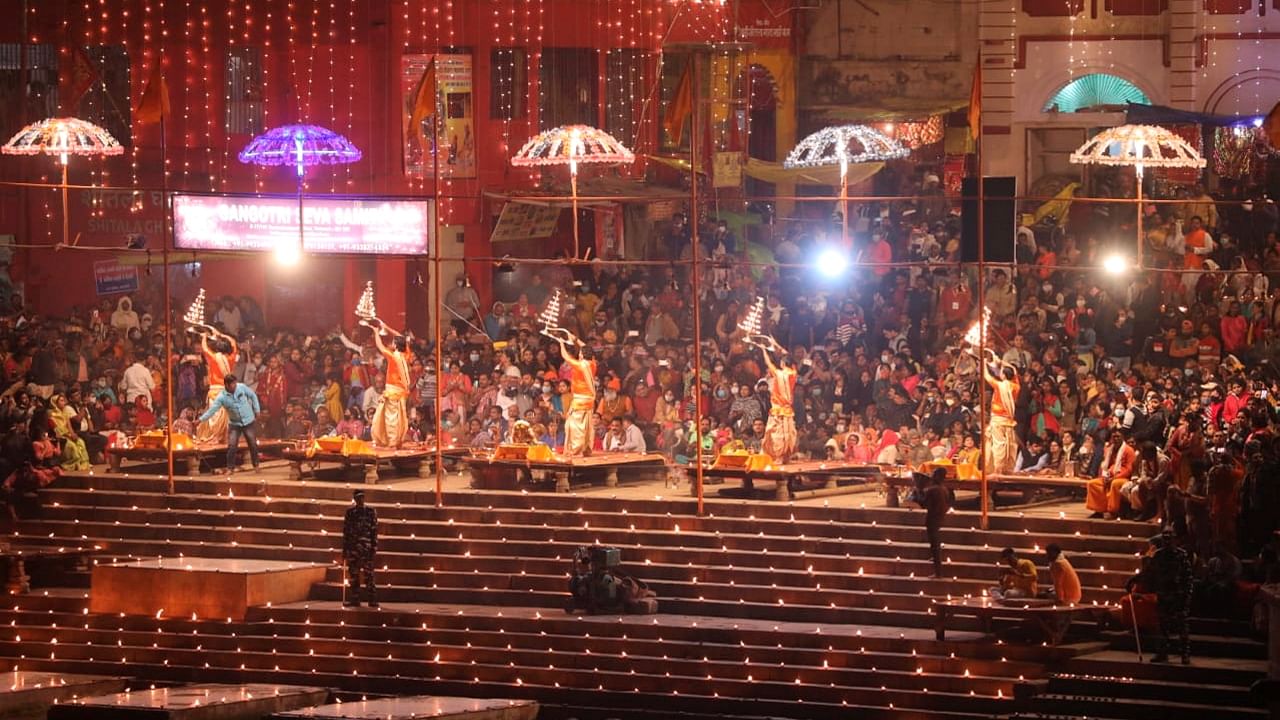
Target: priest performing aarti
[220, 352]
[780, 436]
[579, 430]
[391, 418]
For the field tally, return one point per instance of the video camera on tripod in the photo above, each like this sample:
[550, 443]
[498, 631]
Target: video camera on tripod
[596, 586]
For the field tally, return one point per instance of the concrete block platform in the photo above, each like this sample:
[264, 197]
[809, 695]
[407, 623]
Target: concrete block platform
[205, 587]
[29, 695]
[420, 708]
[193, 702]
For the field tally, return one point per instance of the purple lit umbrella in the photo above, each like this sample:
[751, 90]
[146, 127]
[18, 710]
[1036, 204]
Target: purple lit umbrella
[300, 146]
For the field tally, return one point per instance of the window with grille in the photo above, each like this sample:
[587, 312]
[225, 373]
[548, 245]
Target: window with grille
[243, 81]
[508, 83]
[567, 87]
[107, 102]
[41, 92]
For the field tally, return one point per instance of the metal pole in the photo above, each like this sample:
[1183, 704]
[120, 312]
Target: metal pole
[985, 499]
[168, 304]
[573, 190]
[66, 217]
[696, 284]
[1138, 263]
[438, 316]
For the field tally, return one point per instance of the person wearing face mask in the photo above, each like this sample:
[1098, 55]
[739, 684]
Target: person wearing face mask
[463, 303]
[473, 367]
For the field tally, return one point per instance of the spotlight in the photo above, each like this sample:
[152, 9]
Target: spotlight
[1115, 264]
[288, 255]
[832, 263]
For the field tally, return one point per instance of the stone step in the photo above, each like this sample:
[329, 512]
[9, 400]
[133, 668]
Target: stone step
[1124, 664]
[906, 523]
[1017, 523]
[1227, 696]
[1201, 645]
[1108, 707]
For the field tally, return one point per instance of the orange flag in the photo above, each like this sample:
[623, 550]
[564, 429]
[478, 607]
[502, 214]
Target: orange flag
[975, 102]
[681, 107]
[81, 74]
[424, 102]
[1272, 127]
[153, 106]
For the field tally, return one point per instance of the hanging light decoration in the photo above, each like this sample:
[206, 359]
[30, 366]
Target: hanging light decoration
[1238, 150]
[914, 134]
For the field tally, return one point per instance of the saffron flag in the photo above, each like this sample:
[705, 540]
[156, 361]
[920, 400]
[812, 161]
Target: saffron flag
[424, 102]
[82, 74]
[1272, 127]
[975, 102]
[681, 106]
[153, 106]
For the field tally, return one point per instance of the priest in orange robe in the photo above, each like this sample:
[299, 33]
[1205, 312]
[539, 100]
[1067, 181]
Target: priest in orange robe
[780, 435]
[391, 418]
[578, 431]
[220, 355]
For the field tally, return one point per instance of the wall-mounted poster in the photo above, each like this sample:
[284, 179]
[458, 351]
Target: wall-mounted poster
[453, 115]
[525, 221]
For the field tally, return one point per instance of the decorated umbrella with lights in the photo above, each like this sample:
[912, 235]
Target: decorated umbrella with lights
[842, 145]
[1139, 147]
[63, 137]
[571, 145]
[300, 146]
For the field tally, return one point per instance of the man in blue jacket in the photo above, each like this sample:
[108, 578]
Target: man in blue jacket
[242, 407]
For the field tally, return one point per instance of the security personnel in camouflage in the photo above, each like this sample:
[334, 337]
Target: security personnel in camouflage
[1170, 576]
[359, 544]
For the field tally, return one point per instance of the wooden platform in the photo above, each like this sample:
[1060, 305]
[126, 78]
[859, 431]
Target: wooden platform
[1026, 484]
[562, 474]
[193, 702]
[29, 695]
[1052, 620]
[799, 478]
[191, 461]
[414, 461]
[18, 559]
[419, 708]
[205, 587]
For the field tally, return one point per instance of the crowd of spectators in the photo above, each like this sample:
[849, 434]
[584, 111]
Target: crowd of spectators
[1175, 363]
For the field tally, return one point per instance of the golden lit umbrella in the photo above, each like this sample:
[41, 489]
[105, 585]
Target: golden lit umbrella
[63, 137]
[571, 145]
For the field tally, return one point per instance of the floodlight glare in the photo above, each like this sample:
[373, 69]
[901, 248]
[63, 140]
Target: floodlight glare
[832, 262]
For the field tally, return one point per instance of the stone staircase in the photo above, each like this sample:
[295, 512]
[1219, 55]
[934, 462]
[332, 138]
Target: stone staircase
[766, 610]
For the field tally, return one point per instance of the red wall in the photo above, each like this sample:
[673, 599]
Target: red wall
[338, 66]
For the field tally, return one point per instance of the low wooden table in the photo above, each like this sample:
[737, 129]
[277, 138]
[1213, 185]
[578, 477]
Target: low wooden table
[790, 478]
[16, 558]
[1052, 620]
[192, 458]
[995, 483]
[414, 460]
[608, 469]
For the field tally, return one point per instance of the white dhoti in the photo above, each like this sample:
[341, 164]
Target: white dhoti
[579, 430]
[1001, 444]
[390, 419]
[213, 430]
